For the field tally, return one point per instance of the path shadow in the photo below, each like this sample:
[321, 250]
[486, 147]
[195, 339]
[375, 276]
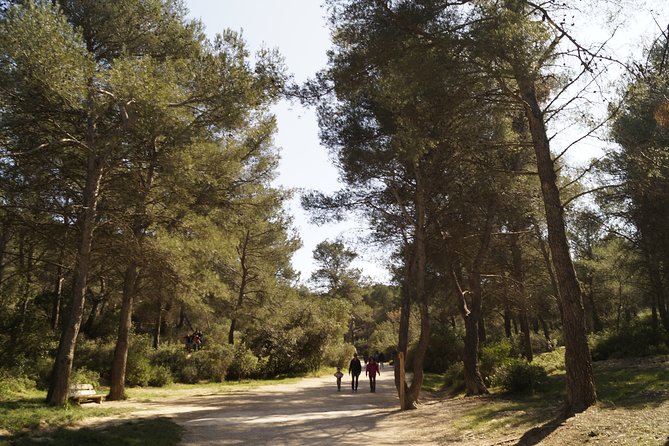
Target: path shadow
[153, 431]
[537, 434]
[311, 412]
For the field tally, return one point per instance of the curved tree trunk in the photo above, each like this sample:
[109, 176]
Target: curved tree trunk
[415, 286]
[139, 224]
[120, 361]
[472, 314]
[580, 382]
[60, 375]
[419, 271]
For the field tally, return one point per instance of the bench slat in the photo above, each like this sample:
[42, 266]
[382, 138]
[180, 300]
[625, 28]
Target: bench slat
[84, 392]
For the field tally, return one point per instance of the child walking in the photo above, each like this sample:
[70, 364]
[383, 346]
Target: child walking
[338, 374]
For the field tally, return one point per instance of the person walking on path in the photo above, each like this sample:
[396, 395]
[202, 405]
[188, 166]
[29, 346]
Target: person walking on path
[354, 369]
[372, 370]
[338, 374]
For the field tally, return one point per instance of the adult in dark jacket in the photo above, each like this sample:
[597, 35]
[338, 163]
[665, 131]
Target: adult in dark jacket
[354, 369]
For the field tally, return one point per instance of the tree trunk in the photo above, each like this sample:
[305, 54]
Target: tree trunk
[519, 278]
[657, 289]
[26, 268]
[597, 324]
[241, 250]
[474, 383]
[403, 341]
[120, 361]
[414, 285]
[5, 236]
[507, 314]
[60, 375]
[578, 363]
[139, 224]
[419, 271]
[231, 332]
[547, 334]
[549, 266]
[159, 325]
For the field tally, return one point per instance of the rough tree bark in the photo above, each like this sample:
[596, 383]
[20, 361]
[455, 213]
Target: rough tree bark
[580, 383]
[62, 368]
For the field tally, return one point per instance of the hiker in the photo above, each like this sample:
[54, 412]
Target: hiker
[338, 374]
[372, 370]
[354, 369]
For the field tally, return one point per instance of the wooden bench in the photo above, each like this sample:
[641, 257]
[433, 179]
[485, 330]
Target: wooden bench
[82, 393]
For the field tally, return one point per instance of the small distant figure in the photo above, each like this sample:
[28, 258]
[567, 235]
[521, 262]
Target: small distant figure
[338, 374]
[194, 341]
[354, 369]
[372, 370]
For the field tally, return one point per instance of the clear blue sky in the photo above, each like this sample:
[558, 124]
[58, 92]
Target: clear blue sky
[297, 28]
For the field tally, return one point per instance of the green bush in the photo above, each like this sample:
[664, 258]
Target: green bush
[444, 349]
[172, 356]
[188, 374]
[160, 376]
[138, 371]
[551, 361]
[493, 356]
[517, 375]
[212, 364]
[13, 386]
[138, 368]
[95, 355]
[634, 340]
[339, 354]
[244, 364]
[85, 376]
[454, 377]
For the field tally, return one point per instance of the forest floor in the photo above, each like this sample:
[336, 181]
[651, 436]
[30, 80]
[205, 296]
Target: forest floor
[312, 412]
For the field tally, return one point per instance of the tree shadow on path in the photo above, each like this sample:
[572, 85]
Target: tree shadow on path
[537, 434]
[311, 412]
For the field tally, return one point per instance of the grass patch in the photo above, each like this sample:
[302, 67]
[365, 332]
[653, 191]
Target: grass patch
[630, 386]
[155, 431]
[33, 413]
[503, 410]
[144, 393]
[28, 411]
[433, 382]
[621, 384]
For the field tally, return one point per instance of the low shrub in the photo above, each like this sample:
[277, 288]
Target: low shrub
[493, 356]
[634, 340]
[85, 376]
[12, 386]
[138, 369]
[339, 354]
[244, 364]
[454, 377]
[213, 363]
[161, 376]
[517, 375]
[95, 355]
[445, 348]
[552, 362]
[174, 357]
[188, 375]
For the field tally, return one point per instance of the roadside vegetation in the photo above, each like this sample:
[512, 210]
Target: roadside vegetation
[143, 246]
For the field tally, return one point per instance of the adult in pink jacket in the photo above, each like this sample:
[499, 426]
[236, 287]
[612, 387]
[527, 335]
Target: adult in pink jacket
[371, 370]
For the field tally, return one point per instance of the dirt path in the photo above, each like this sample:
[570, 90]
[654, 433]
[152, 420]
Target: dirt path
[312, 412]
[308, 412]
